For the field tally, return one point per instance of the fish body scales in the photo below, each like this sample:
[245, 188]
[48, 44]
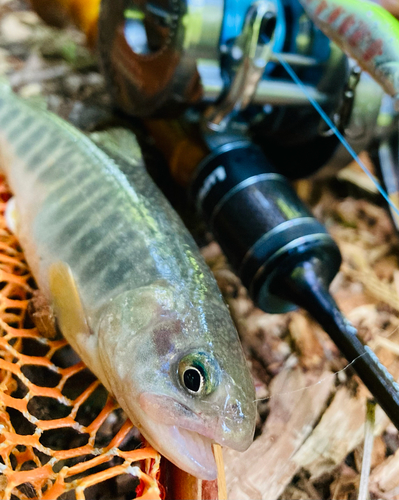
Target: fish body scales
[130, 290]
[81, 213]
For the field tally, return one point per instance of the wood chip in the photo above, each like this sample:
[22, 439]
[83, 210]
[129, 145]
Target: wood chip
[324, 450]
[263, 471]
[374, 286]
[384, 480]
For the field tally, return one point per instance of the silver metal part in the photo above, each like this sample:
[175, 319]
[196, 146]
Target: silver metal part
[295, 60]
[389, 172]
[254, 54]
[342, 117]
[362, 127]
[162, 55]
[274, 92]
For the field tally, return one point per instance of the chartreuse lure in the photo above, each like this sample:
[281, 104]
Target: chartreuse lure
[366, 32]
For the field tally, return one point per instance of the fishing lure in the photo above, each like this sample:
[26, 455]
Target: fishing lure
[366, 32]
[129, 288]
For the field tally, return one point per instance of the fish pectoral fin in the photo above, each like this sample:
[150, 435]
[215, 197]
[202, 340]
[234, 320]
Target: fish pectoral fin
[67, 304]
[11, 215]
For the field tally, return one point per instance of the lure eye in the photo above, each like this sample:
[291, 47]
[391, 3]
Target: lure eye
[198, 374]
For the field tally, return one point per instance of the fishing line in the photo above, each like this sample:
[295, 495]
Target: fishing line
[342, 139]
[380, 340]
[311, 385]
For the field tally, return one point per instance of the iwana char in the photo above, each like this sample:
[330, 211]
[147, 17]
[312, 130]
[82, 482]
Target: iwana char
[129, 288]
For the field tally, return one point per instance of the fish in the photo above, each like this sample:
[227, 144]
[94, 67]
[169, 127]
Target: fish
[364, 31]
[128, 286]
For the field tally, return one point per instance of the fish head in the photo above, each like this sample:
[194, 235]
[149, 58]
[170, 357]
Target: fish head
[180, 374]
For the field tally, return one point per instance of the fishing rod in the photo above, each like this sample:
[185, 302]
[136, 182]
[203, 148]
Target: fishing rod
[220, 68]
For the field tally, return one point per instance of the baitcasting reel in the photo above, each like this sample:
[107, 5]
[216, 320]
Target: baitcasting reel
[219, 67]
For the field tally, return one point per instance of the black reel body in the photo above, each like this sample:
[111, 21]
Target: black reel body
[259, 220]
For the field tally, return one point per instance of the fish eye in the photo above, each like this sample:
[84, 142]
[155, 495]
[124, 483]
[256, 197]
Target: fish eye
[198, 373]
[193, 379]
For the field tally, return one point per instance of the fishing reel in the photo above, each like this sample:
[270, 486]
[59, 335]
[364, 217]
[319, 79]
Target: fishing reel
[225, 69]
[221, 61]
[220, 65]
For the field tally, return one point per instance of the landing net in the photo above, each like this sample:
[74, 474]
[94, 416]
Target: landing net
[61, 435]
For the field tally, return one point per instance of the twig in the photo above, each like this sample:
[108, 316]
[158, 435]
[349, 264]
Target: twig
[367, 450]
[222, 490]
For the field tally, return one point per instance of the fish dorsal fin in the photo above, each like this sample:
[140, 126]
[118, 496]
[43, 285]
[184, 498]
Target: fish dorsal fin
[5, 87]
[67, 304]
[119, 143]
[37, 102]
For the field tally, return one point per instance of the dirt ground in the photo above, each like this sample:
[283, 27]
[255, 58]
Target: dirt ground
[311, 405]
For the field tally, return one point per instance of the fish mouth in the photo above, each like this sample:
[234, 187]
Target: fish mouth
[179, 434]
[189, 450]
[185, 437]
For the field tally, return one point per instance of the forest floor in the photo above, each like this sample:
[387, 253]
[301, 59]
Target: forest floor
[311, 404]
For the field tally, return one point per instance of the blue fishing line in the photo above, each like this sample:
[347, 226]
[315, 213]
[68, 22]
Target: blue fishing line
[344, 142]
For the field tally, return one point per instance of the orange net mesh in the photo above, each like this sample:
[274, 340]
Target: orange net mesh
[61, 434]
